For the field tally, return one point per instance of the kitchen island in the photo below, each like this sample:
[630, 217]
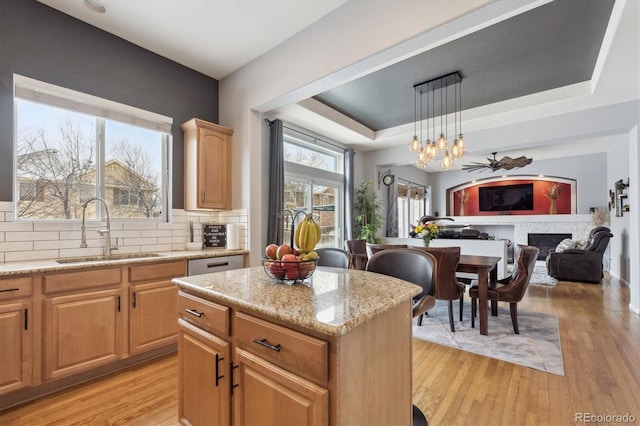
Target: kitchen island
[333, 350]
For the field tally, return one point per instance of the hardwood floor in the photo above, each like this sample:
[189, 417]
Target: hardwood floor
[600, 345]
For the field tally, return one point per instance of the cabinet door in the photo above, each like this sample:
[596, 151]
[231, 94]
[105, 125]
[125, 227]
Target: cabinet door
[214, 165]
[16, 344]
[204, 393]
[269, 395]
[81, 331]
[152, 316]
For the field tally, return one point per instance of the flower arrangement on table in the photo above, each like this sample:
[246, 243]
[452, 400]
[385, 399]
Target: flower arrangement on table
[426, 231]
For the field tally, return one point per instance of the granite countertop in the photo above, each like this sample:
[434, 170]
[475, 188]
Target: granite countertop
[332, 302]
[91, 262]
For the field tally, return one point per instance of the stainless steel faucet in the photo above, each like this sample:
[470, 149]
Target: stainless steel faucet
[105, 233]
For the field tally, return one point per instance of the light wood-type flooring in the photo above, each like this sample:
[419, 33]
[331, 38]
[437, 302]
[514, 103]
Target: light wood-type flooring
[600, 346]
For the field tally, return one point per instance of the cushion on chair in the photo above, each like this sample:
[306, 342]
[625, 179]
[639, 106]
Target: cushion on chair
[565, 244]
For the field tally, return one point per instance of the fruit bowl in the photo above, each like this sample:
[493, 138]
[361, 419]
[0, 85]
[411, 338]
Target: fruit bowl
[289, 272]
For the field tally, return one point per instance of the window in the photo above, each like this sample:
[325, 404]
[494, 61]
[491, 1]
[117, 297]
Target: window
[71, 146]
[412, 205]
[314, 183]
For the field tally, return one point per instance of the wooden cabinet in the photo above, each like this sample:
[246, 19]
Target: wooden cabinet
[268, 383]
[16, 326]
[81, 331]
[152, 305]
[204, 377]
[269, 395]
[207, 165]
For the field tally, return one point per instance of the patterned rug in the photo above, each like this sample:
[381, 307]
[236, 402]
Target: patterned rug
[537, 346]
[539, 276]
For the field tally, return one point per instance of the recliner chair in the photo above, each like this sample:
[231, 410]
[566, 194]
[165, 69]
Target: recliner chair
[581, 265]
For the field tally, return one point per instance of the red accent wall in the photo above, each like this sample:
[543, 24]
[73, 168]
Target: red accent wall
[541, 203]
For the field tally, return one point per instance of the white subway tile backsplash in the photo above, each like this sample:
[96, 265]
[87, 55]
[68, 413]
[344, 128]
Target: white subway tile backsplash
[32, 236]
[156, 233]
[21, 256]
[30, 240]
[16, 226]
[16, 246]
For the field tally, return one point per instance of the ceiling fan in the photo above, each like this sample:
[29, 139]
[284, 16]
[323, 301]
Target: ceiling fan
[506, 163]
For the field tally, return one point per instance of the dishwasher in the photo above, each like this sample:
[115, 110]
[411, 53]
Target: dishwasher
[214, 264]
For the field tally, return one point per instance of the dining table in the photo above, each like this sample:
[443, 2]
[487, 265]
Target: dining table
[485, 268]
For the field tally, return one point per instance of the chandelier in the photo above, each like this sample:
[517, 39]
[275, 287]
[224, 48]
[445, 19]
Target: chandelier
[441, 98]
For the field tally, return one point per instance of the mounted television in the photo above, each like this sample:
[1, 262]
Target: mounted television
[506, 197]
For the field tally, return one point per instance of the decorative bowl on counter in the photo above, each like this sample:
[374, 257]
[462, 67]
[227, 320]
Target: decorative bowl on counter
[289, 272]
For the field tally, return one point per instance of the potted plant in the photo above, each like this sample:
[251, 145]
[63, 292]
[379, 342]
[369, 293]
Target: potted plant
[367, 213]
[191, 243]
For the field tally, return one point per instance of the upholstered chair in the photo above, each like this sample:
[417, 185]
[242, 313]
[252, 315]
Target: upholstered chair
[334, 257]
[357, 253]
[513, 288]
[410, 265]
[582, 265]
[447, 286]
[374, 248]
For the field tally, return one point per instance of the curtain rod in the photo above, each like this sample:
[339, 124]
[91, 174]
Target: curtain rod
[315, 138]
[413, 183]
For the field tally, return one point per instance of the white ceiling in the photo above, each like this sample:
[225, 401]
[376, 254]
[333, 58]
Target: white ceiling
[214, 37]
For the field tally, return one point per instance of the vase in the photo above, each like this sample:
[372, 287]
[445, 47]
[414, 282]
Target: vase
[552, 207]
[461, 209]
[426, 241]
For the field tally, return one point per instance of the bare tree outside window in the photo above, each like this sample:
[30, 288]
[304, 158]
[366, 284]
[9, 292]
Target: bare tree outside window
[56, 167]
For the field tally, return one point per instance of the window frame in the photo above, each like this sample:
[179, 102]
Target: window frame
[319, 177]
[49, 95]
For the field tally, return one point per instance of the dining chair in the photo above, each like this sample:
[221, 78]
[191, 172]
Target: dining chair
[447, 285]
[332, 256]
[357, 252]
[374, 248]
[513, 288]
[410, 265]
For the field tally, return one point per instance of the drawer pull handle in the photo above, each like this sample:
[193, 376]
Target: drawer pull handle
[264, 343]
[217, 265]
[232, 385]
[9, 289]
[218, 376]
[194, 312]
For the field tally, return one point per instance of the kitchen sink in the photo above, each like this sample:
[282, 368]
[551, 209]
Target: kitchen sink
[103, 258]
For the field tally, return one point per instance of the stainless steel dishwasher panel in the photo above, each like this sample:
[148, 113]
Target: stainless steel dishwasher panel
[214, 264]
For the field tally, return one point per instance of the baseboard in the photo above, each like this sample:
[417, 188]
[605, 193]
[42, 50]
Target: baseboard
[29, 394]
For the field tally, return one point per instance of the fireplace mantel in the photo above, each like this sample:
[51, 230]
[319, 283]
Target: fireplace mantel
[578, 225]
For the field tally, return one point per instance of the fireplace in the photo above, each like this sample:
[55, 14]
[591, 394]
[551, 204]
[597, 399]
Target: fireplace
[545, 242]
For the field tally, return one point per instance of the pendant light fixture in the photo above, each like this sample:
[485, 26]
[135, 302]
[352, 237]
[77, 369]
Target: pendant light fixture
[439, 148]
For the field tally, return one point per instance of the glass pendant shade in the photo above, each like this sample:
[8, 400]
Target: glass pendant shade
[446, 163]
[415, 144]
[455, 149]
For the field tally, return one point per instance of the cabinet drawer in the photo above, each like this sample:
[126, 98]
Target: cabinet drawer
[80, 280]
[13, 288]
[203, 313]
[297, 352]
[157, 271]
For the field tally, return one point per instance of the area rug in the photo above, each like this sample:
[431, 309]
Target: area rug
[537, 346]
[539, 275]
